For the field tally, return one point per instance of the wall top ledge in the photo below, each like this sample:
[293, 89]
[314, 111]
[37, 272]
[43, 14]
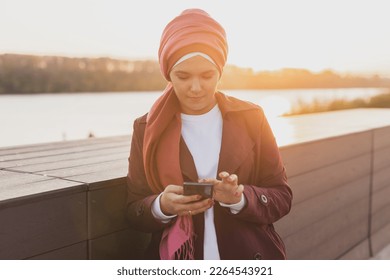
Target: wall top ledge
[36, 171]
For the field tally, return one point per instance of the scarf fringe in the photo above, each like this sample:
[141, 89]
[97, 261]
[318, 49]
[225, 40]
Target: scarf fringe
[186, 250]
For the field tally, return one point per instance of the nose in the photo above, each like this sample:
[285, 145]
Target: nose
[195, 86]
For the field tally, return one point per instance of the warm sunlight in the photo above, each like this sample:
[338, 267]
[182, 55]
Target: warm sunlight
[346, 36]
[275, 106]
[106, 105]
[283, 130]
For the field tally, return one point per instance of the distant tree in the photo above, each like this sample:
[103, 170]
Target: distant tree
[51, 74]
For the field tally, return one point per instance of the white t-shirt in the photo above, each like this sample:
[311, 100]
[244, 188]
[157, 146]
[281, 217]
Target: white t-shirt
[203, 137]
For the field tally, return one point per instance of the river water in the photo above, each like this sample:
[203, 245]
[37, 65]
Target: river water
[40, 118]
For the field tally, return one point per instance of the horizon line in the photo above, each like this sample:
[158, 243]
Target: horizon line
[368, 73]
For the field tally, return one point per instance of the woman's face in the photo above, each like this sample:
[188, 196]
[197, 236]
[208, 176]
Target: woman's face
[195, 83]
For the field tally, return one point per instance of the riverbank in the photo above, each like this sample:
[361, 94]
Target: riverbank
[317, 106]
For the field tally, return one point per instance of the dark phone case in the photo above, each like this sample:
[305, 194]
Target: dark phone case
[204, 189]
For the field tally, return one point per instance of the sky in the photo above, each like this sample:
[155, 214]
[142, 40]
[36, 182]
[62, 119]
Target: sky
[351, 37]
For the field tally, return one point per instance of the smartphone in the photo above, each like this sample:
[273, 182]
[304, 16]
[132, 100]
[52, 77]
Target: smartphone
[203, 189]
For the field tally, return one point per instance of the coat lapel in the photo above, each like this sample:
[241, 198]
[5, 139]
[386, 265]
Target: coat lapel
[236, 142]
[187, 163]
[235, 148]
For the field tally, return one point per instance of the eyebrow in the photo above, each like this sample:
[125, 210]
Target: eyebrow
[203, 73]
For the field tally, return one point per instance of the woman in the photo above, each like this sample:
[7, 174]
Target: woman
[195, 133]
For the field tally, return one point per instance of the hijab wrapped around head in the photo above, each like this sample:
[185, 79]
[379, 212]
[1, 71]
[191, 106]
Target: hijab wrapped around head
[190, 32]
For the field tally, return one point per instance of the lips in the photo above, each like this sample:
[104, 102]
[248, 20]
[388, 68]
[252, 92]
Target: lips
[196, 98]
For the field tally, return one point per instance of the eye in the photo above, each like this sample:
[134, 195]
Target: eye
[208, 76]
[182, 77]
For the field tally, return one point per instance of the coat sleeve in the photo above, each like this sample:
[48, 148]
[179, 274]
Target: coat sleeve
[139, 194]
[269, 197]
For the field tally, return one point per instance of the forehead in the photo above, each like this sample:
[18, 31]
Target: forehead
[196, 64]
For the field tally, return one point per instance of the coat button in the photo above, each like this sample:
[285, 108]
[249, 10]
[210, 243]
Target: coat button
[264, 199]
[140, 210]
[258, 256]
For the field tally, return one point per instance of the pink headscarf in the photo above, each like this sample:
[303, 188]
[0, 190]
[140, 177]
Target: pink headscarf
[192, 31]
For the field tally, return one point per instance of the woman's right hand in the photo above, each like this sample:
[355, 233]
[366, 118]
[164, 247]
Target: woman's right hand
[173, 202]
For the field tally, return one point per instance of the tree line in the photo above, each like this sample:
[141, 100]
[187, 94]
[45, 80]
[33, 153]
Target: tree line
[52, 74]
[315, 106]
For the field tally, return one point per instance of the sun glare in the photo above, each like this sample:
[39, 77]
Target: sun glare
[283, 130]
[275, 106]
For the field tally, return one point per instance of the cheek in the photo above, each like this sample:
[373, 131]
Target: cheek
[179, 85]
[180, 91]
[212, 85]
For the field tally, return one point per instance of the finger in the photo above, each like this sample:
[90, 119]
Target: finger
[239, 190]
[185, 199]
[232, 179]
[201, 210]
[185, 213]
[179, 198]
[177, 204]
[196, 208]
[209, 204]
[174, 189]
[223, 175]
[208, 180]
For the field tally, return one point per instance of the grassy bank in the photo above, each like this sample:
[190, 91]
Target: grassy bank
[378, 101]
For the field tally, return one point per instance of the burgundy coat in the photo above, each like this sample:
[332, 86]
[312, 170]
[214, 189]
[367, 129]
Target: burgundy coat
[249, 150]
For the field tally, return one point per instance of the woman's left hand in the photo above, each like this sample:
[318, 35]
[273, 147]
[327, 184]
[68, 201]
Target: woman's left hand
[227, 189]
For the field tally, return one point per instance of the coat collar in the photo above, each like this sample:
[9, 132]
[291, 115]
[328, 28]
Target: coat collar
[228, 104]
